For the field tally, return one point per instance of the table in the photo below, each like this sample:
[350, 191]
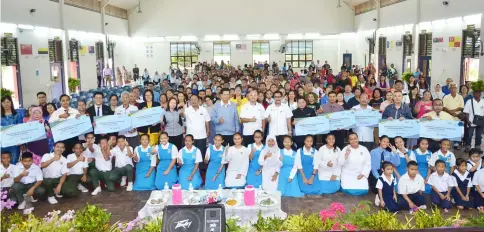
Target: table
[246, 214]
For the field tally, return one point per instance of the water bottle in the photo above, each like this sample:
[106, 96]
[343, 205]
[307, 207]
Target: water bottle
[166, 188]
[220, 191]
[190, 188]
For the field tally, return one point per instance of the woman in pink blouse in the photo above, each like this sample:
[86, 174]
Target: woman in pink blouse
[388, 101]
[425, 105]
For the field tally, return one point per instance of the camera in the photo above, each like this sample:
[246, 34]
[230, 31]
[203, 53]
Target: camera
[445, 3]
[374, 19]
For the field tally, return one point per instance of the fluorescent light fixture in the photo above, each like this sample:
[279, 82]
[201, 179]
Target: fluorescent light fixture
[425, 25]
[472, 19]
[408, 27]
[41, 30]
[456, 20]
[253, 36]
[8, 26]
[294, 36]
[438, 23]
[347, 34]
[26, 27]
[212, 37]
[172, 37]
[271, 36]
[189, 38]
[230, 37]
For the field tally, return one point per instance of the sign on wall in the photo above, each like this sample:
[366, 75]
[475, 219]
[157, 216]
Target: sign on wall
[91, 49]
[82, 50]
[438, 39]
[241, 47]
[454, 41]
[399, 43]
[43, 51]
[25, 49]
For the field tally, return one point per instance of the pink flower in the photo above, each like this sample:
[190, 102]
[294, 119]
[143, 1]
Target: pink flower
[350, 227]
[327, 214]
[338, 207]
[336, 226]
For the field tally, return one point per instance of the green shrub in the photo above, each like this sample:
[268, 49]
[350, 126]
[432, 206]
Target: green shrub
[92, 218]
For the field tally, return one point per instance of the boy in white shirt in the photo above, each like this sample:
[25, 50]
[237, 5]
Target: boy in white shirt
[410, 188]
[103, 163]
[442, 184]
[27, 180]
[123, 160]
[77, 165]
[6, 170]
[90, 150]
[54, 169]
[478, 182]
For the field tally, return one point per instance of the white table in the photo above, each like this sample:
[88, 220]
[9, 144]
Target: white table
[247, 214]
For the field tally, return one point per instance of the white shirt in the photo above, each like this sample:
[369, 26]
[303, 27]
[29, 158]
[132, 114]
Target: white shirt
[449, 155]
[358, 162]
[365, 134]
[379, 184]
[55, 169]
[321, 160]
[198, 156]
[478, 109]
[195, 121]
[471, 164]
[478, 179]
[55, 116]
[88, 154]
[409, 186]
[35, 174]
[270, 166]
[461, 178]
[441, 183]
[410, 154]
[78, 168]
[3, 171]
[102, 164]
[279, 115]
[122, 159]
[152, 156]
[256, 111]
[120, 110]
[174, 150]
[238, 160]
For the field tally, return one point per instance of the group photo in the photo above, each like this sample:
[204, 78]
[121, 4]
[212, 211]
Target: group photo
[278, 135]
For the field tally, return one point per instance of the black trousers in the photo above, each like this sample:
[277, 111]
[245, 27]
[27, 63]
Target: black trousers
[99, 81]
[248, 139]
[280, 141]
[202, 145]
[372, 183]
[177, 141]
[228, 140]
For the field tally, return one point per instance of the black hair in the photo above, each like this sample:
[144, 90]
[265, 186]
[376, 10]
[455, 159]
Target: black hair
[277, 91]
[41, 93]
[64, 95]
[332, 92]
[386, 164]
[352, 133]
[77, 143]
[89, 133]
[398, 81]
[439, 162]
[460, 161]
[14, 112]
[384, 137]
[150, 83]
[239, 134]
[164, 133]
[144, 135]
[7, 152]
[444, 140]
[106, 138]
[98, 93]
[224, 90]
[475, 151]
[412, 163]
[121, 137]
[258, 131]
[58, 142]
[189, 135]
[399, 137]
[113, 95]
[219, 135]
[27, 155]
[152, 95]
[422, 139]
[288, 137]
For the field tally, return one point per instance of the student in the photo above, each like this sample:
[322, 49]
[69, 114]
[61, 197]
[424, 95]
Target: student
[378, 156]
[103, 167]
[91, 149]
[386, 188]
[475, 162]
[6, 171]
[189, 157]
[166, 153]
[478, 182]
[463, 184]
[270, 162]
[326, 162]
[123, 163]
[422, 156]
[254, 176]
[237, 157]
[445, 155]
[77, 164]
[355, 167]
[441, 183]
[287, 185]
[404, 154]
[214, 157]
[410, 188]
[54, 169]
[27, 181]
[308, 179]
[146, 164]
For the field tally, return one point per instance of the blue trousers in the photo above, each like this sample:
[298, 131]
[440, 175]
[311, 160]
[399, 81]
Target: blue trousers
[445, 204]
[417, 199]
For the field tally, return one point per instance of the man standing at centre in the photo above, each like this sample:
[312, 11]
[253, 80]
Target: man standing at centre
[279, 118]
[252, 117]
[226, 118]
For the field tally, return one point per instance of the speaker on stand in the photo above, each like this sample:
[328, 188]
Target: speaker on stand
[194, 218]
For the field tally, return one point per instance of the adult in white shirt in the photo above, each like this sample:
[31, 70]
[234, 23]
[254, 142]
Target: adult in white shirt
[270, 162]
[355, 167]
[410, 188]
[123, 162]
[198, 124]
[27, 180]
[54, 169]
[127, 109]
[103, 164]
[252, 117]
[278, 116]
[365, 133]
[77, 164]
[326, 162]
[237, 157]
[474, 106]
[6, 169]
[65, 112]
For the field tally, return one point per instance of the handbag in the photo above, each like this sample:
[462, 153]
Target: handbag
[478, 119]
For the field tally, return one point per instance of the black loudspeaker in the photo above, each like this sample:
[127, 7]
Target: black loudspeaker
[194, 218]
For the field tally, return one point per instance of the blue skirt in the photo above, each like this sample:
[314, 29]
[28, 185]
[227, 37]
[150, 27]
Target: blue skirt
[390, 203]
[211, 172]
[309, 188]
[185, 172]
[288, 189]
[171, 178]
[141, 182]
[355, 192]
[329, 187]
[428, 189]
[253, 179]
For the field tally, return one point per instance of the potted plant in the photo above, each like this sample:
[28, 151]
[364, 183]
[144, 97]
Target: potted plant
[5, 92]
[73, 83]
[477, 86]
[406, 76]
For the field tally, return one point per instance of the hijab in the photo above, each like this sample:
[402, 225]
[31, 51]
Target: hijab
[33, 117]
[274, 149]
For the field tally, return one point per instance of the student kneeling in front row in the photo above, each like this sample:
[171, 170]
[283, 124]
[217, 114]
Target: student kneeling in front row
[104, 166]
[410, 188]
[27, 180]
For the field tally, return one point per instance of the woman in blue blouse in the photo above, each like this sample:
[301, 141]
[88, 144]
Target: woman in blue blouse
[10, 117]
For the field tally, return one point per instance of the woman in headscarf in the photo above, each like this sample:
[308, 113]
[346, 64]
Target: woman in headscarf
[40, 147]
[270, 163]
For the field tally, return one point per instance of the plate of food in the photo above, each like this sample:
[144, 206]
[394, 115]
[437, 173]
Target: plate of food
[231, 202]
[263, 194]
[267, 202]
[157, 201]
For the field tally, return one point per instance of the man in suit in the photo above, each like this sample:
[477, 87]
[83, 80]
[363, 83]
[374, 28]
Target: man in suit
[98, 109]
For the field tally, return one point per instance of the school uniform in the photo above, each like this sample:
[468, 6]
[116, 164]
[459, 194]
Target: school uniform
[20, 188]
[188, 158]
[442, 184]
[288, 170]
[7, 182]
[145, 161]
[402, 166]
[358, 162]
[411, 188]
[123, 164]
[387, 188]
[478, 179]
[254, 166]
[470, 165]
[75, 172]
[91, 155]
[378, 156]
[448, 158]
[423, 159]
[321, 160]
[52, 175]
[215, 156]
[166, 154]
[102, 171]
[305, 162]
[238, 163]
[462, 182]
[270, 166]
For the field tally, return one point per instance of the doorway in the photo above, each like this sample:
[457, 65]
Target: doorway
[348, 59]
[58, 83]
[470, 54]
[11, 69]
[425, 65]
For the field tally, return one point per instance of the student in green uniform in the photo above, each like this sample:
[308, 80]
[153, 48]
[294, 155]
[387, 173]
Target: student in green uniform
[27, 180]
[77, 164]
[104, 166]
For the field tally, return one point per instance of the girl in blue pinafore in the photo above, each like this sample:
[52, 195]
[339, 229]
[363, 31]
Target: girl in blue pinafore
[462, 192]
[308, 180]
[287, 185]
[146, 163]
[166, 171]
[189, 157]
[254, 176]
[422, 155]
[405, 157]
[386, 191]
[215, 175]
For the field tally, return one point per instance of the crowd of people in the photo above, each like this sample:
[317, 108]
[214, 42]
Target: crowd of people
[228, 127]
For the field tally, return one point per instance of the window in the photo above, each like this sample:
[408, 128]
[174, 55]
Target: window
[299, 53]
[221, 52]
[260, 51]
[183, 55]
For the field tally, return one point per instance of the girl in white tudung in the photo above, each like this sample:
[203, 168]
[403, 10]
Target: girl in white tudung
[270, 162]
[355, 164]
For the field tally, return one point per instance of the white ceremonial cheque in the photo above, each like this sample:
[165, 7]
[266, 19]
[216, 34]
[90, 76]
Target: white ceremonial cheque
[341, 120]
[22, 133]
[112, 123]
[405, 128]
[145, 117]
[441, 129]
[367, 117]
[70, 128]
[312, 125]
